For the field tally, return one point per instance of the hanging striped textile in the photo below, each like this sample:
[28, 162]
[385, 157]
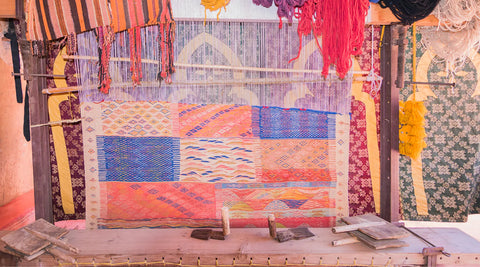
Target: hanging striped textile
[127, 14]
[53, 19]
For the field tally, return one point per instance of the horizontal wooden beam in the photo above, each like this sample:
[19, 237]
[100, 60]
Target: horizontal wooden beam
[383, 16]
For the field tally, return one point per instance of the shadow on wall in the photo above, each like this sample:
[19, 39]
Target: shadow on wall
[16, 171]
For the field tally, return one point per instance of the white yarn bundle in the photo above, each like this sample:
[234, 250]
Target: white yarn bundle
[458, 32]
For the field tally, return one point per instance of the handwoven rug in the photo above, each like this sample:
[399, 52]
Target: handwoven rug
[69, 166]
[449, 164]
[258, 142]
[365, 117]
[177, 165]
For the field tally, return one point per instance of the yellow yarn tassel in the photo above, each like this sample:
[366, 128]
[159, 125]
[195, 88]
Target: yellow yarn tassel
[412, 131]
[213, 5]
[412, 117]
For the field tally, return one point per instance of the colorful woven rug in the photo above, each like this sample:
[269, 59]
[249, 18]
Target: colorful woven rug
[443, 185]
[66, 141]
[160, 164]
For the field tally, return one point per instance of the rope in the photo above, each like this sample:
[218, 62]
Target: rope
[409, 11]
[216, 264]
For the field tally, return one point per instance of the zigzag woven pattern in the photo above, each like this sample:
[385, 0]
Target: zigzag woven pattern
[190, 160]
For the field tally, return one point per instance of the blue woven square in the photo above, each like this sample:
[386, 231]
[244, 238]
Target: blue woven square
[281, 123]
[138, 159]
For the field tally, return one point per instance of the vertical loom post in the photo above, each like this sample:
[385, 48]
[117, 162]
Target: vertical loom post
[389, 122]
[225, 221]
[272, 227]
[40, 136]
[40, 146]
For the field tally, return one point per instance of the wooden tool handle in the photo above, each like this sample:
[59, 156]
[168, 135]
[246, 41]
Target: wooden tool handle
[225, 221]
[272, 227]
[345, 241]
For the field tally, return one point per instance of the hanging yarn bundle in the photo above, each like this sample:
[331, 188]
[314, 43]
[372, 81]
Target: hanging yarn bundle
[213, 5]
[454, 15]
[135, 55]
[286, 8]
[105, 37]
[458, 33]
[412, 131]
[412, 119]
[341, 26]
[409, 11]
[166, 36]
[264, 3]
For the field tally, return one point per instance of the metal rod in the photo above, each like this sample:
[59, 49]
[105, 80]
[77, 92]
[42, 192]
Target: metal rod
[425, 240]
[40, 75]
[430, 83]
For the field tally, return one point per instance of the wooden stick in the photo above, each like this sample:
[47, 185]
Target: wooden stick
[345, 241]
[40, 75]
[62, 90]
[218, 67]
[53, 240]
[353, 227]
[225, 221]
[56, 123]
[272, 226]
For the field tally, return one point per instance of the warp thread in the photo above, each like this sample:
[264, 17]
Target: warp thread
[105, 38]
[341, 25]
[135, 55]
[409, 11]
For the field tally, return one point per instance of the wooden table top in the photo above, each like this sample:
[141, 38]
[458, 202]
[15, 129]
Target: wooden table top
[254, 246]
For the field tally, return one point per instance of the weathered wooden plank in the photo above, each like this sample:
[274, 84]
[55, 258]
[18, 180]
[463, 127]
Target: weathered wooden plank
[379, 232]
[40, 145]
[389, 109]
[378, 244]
[26, 243]
[256, 245]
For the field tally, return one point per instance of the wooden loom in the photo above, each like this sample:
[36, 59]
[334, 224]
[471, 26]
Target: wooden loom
[247, 247]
